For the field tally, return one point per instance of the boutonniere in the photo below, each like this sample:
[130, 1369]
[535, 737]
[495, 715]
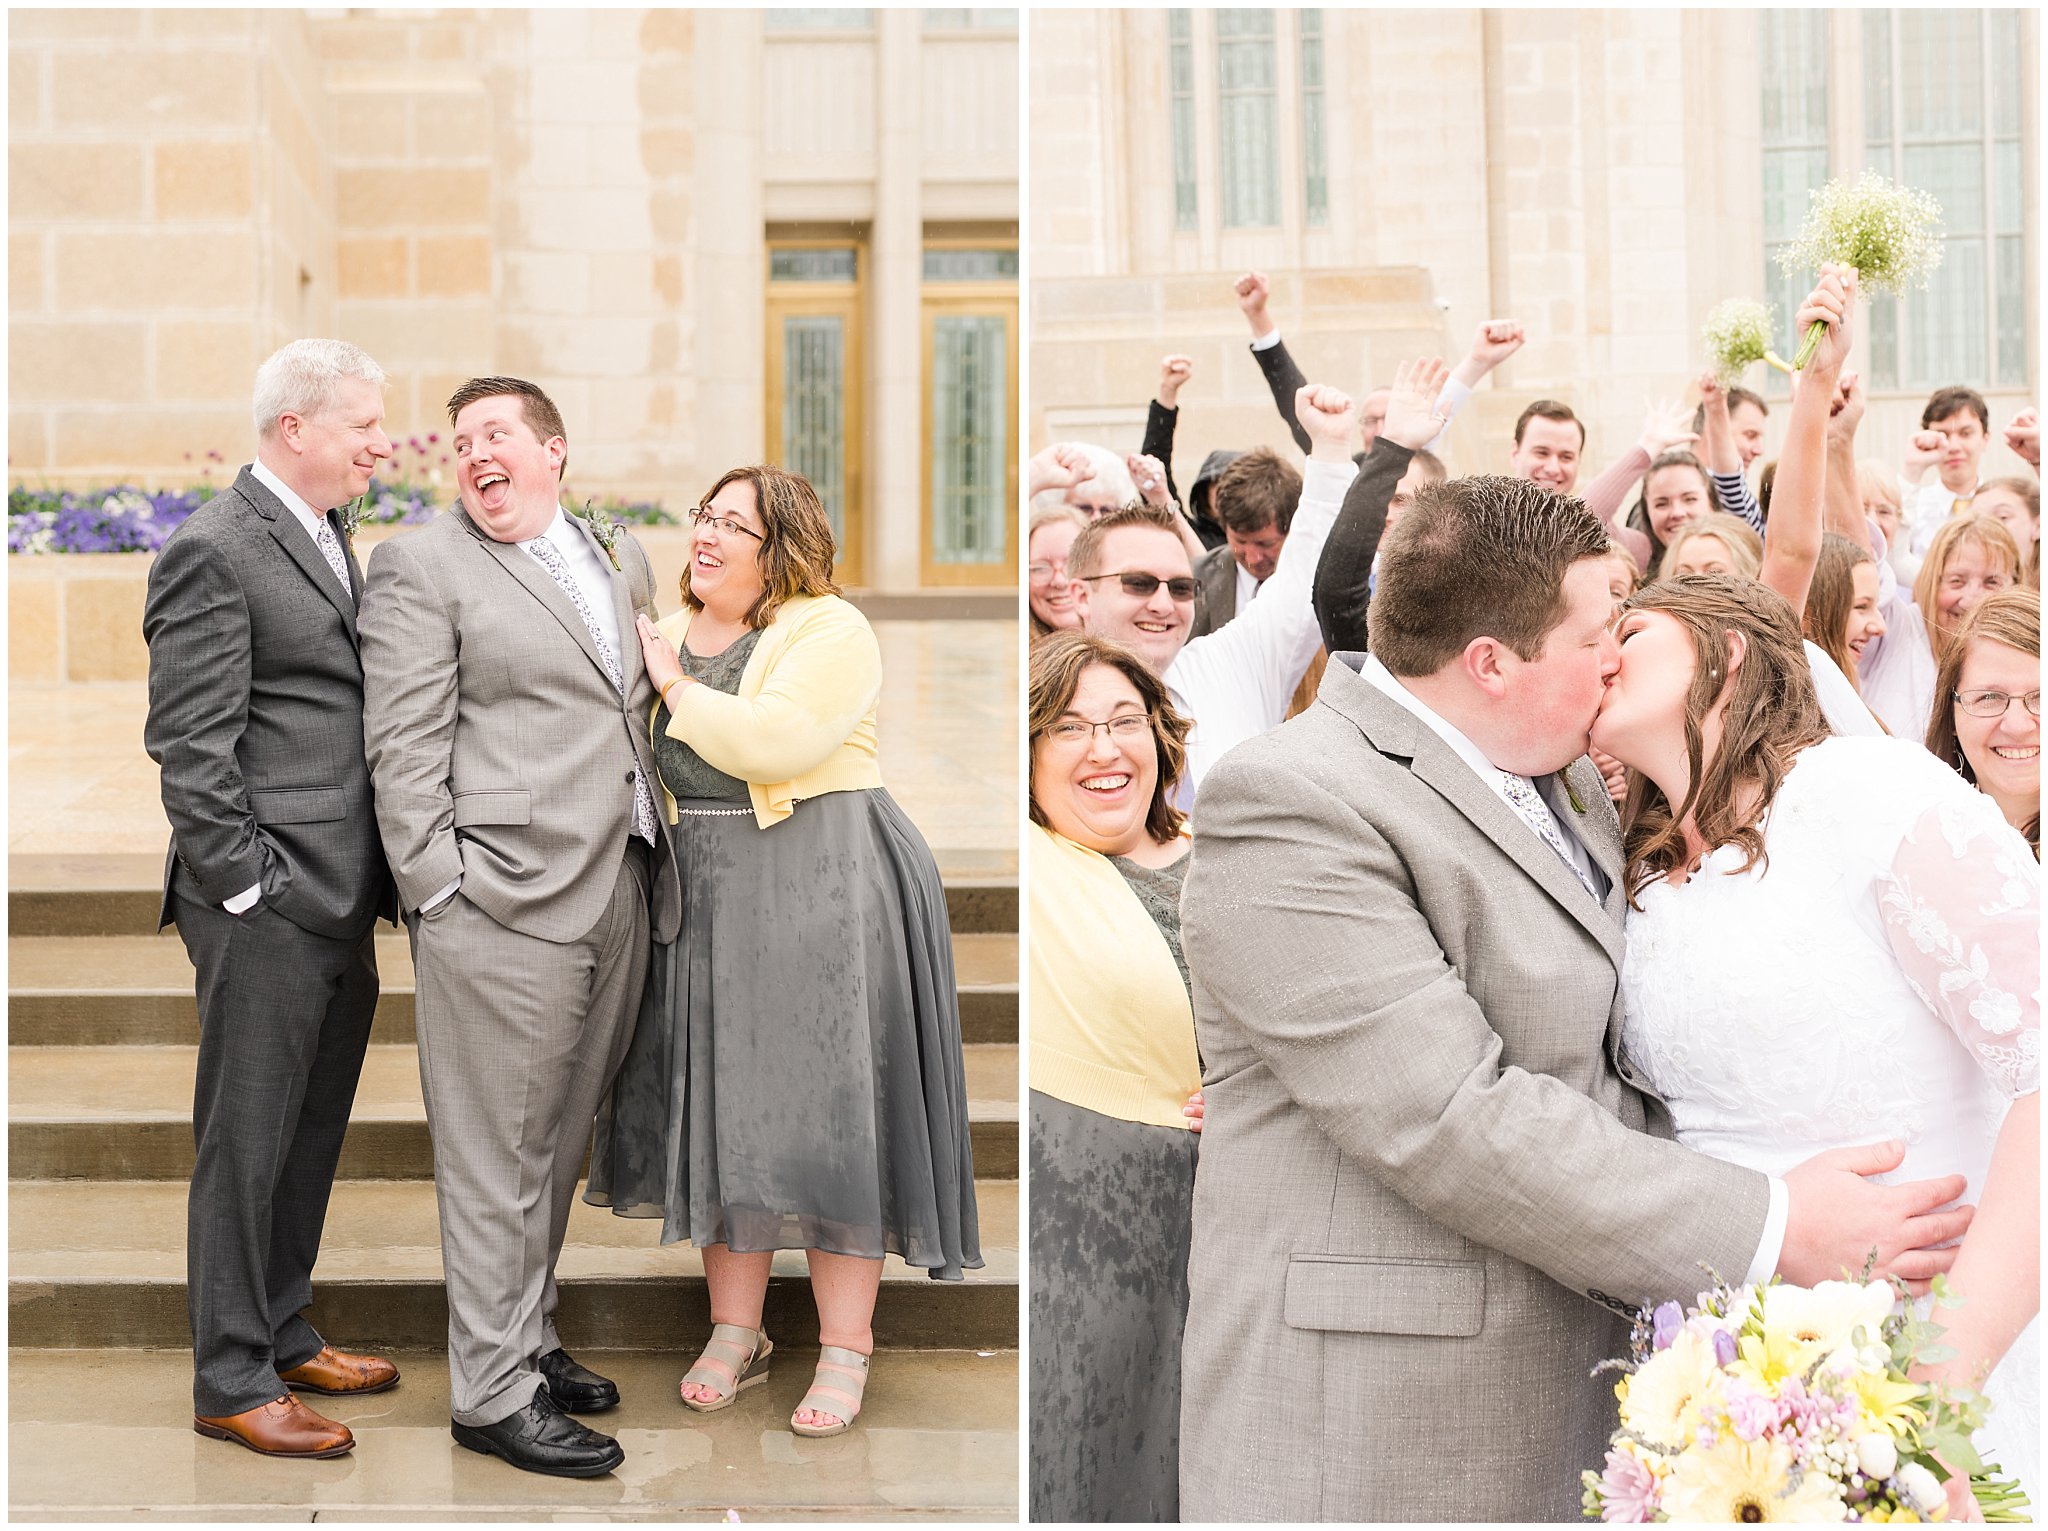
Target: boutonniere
[603, 528]
[351, 516]
[1573, 793]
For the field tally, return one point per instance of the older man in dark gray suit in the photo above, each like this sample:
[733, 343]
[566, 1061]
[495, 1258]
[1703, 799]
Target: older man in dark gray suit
[507, 729]
[1431, 1183]
[275, 880]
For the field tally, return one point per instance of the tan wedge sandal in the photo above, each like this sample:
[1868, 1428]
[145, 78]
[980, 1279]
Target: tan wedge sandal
[746, 1353]
[839, 1399]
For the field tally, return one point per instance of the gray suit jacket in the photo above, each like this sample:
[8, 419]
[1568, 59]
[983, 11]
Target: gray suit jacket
[501, 750]
[256, 716]
[1216, 602]
[1429, 1180]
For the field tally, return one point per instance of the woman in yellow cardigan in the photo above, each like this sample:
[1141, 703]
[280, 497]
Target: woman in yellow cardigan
[1114, 1086]
[795, 1081]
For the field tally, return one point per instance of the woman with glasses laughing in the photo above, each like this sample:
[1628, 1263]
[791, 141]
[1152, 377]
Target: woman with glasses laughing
[1987, 710]
[1114, 1086]
[795, 1081]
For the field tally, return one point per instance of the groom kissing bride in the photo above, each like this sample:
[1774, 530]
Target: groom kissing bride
[1433, 1184]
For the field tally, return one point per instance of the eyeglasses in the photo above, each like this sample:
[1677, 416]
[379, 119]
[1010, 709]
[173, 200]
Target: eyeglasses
[1142, 585]
[1124, 728]
[1047, 570]
[1992, 704]
[724, 525]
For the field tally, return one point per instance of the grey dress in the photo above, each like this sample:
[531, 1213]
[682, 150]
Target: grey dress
[795, 1080]
[1111, 1206]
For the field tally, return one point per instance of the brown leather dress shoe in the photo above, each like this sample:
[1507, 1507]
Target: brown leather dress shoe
[341, 1371]
[284, 1427]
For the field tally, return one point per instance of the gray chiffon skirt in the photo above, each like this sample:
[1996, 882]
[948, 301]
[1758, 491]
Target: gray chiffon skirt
[1112, 1206]
[795, 1078]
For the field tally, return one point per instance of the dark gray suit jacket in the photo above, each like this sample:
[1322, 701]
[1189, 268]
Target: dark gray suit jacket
[1216, 602]
[256, 717]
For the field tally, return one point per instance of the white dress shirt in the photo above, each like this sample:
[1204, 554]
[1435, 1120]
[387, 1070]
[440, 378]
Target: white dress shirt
[1235, 683]
[1924, 507]
[1384, 680]
[310, 519]
[1247, 585]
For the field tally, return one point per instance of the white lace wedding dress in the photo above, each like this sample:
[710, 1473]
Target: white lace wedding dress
[1878, 979]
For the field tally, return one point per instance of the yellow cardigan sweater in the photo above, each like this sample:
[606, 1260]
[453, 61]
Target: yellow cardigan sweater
[1111, 1029]
[803, 721]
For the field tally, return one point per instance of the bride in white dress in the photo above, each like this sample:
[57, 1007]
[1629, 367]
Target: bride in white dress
[1832, 941]
[1837, 944]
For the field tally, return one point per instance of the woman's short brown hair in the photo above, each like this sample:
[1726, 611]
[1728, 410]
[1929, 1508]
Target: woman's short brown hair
[2011, 617]
[1057, 664]
[1772, 714]
[1475, 558]
[795, 555]
[1988, 533]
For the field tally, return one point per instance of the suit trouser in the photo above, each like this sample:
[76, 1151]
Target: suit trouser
[284, 1017]
[519, 1039]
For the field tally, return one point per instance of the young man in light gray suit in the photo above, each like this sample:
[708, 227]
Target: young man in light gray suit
[1431, 1184]
[275, 880]
[506, 725]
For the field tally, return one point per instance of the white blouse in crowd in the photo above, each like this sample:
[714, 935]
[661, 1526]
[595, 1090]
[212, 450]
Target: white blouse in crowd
[1897, 670]
[1237, 681]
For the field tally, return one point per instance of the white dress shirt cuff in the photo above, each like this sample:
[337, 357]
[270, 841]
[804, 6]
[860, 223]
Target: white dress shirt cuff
[1773, 1243]
[450, 891]
[244, 901]
[1267, 341]
[1448, 402]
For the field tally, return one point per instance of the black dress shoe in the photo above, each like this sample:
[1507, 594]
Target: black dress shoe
[542, 1439]
[576, 1389]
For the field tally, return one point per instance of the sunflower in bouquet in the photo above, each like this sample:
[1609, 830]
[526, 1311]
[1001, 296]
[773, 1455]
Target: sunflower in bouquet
[1785, 1403]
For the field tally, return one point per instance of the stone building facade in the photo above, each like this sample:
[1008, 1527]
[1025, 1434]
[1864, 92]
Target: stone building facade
[716, 237]
[1603, 176]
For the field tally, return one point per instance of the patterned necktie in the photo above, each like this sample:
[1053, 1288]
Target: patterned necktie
[551, 559]
[330, 547]
[1528, 803]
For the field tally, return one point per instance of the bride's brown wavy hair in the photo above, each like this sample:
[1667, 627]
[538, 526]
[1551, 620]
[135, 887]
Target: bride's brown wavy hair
[1772, 714]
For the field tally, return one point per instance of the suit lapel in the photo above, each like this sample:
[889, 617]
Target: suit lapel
[624, 633]
[1399, 734]
[540, 584]
[292, 537]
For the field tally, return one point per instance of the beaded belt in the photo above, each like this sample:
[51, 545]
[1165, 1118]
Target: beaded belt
[713, 813]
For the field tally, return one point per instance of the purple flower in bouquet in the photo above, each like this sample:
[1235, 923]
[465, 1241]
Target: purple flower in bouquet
[1752, 1415]
[1724, 1347]
[1628, 1491]
[1668, 1320]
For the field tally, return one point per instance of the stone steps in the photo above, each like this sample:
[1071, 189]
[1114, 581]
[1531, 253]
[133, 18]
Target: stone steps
[103, 1264]
[98, 1435]
[136, 990]
[120, 894]
[125, 1113]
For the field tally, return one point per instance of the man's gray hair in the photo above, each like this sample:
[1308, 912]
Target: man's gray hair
[1109, 471]
[302, 379]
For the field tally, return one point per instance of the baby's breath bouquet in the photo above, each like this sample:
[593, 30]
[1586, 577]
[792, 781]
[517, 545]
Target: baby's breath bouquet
[1791, 1403]
[1737, 333]
[1890, 234]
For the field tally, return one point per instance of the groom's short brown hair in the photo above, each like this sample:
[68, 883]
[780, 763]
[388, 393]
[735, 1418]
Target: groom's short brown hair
[538, 409]
[1477, 558]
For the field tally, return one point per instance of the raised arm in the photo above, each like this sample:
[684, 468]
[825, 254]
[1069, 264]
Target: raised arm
[1283, 377]
[1155, 488]
[1842, 507]
[1665, 428]
[1162, 417]
[1792, 540]
[1344, 576]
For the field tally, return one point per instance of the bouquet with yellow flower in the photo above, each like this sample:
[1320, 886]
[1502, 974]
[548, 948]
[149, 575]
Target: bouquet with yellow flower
[1891, 234]
[1785, 1403]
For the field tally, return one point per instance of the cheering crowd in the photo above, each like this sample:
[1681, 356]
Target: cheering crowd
[1172, 626]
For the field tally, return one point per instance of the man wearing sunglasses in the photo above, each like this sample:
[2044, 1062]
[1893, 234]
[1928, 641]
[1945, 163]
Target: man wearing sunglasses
[1133, 583]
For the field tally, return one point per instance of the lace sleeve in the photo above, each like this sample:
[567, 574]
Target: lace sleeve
[1962, 906]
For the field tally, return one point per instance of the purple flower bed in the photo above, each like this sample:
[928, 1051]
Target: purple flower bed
[126, 519]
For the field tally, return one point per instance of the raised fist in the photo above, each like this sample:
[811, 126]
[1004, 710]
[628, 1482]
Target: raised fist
[1174, 371]
[2024, 435]
[1330, 416]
